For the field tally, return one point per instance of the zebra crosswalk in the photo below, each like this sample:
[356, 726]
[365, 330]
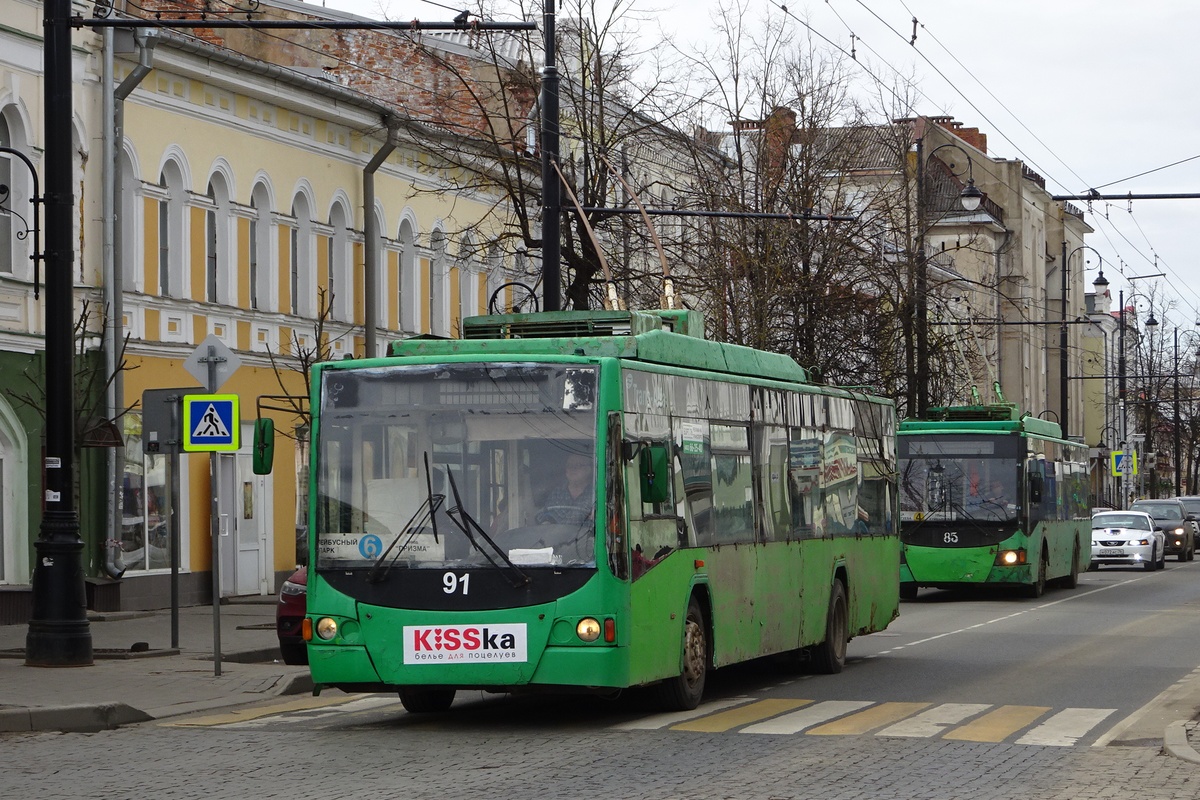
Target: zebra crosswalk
[971, 722]
[967, 722]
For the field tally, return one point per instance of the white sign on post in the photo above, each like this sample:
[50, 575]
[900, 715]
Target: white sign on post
[226, 360]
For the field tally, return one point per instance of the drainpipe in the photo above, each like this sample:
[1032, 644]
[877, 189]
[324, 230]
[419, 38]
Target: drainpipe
[113, 111]
[1000, 251]
[371, 235]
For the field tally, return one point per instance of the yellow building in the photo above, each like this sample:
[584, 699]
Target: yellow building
[242, 217]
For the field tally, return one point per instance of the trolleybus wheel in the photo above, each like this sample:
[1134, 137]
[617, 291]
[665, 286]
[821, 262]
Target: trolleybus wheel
[420, 700]
[908, 590]
[1038, 587]
[1072, 579]
[829, 656]
[683, 692]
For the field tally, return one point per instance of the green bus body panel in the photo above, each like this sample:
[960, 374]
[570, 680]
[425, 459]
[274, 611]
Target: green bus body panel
[941, 566]
[949, 566]
[370, 644]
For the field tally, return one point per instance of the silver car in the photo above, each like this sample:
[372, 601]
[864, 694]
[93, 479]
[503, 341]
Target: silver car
[1127, 538]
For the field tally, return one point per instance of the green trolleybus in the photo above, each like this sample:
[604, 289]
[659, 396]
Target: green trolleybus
[731, 510]
[988, 496]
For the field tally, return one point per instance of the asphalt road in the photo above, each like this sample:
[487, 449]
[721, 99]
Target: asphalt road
[980, 695]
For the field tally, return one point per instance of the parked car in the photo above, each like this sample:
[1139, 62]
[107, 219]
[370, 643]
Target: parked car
[289, 617]
[1127, 538]
[1173, 519]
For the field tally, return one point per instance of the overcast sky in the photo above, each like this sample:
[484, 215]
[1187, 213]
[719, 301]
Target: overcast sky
[1089, 93]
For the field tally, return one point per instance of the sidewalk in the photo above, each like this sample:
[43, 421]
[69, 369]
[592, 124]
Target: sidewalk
[124, 686]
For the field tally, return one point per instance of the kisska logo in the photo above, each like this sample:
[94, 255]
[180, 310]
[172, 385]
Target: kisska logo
[464, 644]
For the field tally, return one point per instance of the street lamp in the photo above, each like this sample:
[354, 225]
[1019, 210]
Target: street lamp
[1150, 390]
[1102, 495]
[59, 635]
[970, 199]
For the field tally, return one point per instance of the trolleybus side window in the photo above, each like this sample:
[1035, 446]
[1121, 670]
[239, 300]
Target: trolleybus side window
[804, 479]
[693, 461]
[733, 506]
[771, 447]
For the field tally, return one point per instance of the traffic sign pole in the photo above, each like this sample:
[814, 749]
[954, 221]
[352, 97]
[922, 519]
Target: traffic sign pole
[214, 462]
[211, 363]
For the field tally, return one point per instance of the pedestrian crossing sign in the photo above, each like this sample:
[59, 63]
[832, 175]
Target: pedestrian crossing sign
[210, 423]
[1123, 463]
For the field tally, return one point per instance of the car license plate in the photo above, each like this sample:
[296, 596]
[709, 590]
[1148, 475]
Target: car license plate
[1112, 552]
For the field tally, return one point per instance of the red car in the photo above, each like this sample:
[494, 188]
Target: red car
[289, 616]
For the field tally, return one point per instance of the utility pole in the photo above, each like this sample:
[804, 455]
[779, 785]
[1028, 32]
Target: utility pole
[1124, 443]
[551, 188]
[59, 635]
[1064, 407]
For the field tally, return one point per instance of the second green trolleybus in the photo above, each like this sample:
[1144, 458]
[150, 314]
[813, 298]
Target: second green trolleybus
[989, 496]
[733, 510]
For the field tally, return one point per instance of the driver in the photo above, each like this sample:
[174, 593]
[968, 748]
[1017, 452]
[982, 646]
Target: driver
[572, 500]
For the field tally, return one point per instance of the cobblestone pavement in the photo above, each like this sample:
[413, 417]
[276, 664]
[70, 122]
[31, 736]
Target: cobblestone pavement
[418, 760]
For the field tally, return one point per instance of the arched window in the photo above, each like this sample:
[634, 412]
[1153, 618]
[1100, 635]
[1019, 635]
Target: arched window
[218, 283]
[171, 250]
[341, 290]
[381, 275]
[262, 265]
[301, 270]
[14, 174]
[408, 280]
[130, 256]
[439, 270]
[468, 280]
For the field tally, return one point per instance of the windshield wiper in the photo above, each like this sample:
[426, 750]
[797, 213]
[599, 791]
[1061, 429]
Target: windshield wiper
[467, 524]
[425, 513]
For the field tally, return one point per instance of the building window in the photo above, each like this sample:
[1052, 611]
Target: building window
[263, 272]
[254, 263]
[294, 270]
[145, 527]
[210, 255]
[406, 281]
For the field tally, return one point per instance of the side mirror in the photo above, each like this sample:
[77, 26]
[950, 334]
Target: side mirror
[653, 468]
[264, 445]
[1035, 488]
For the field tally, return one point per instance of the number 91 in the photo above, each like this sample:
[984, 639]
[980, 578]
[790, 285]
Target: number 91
[451, 582]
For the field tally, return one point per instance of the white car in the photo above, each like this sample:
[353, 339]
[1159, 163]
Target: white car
[1126, 538]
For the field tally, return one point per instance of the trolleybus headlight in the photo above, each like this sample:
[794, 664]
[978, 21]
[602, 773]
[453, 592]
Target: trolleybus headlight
[1010, 558]
[327, 628]
[588, 629]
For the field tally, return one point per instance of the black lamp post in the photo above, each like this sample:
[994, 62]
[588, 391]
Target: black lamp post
[59, 635]
[1151, 324]
[970, 198]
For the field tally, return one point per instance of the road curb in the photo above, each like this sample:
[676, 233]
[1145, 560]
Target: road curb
[1176, 742]
[70, 719]
[297, 684]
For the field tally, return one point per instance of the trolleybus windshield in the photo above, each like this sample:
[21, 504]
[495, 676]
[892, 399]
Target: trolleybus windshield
[968, 478]
[456, 465]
